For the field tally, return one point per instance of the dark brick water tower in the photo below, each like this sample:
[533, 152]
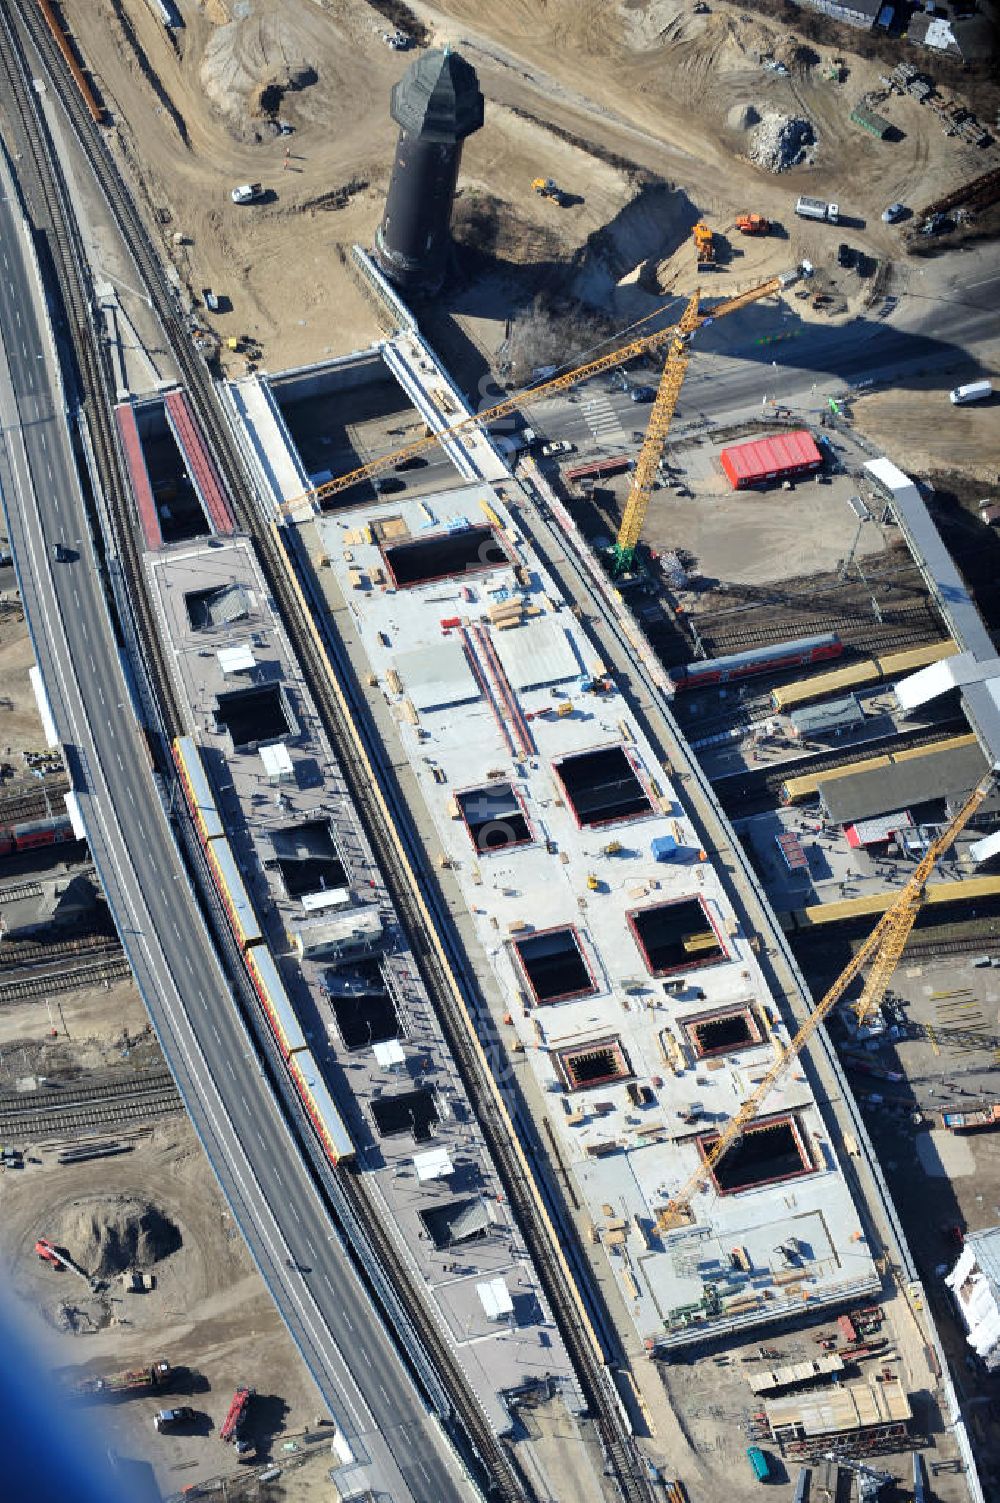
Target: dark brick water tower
[436, 104]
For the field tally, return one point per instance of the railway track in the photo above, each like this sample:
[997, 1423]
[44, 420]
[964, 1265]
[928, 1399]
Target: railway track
[21, 955]
[33, 803]
[42, 180]
[622, 1457]
[17, 892]
[66, 979]
[55, 1112]
[734, 791]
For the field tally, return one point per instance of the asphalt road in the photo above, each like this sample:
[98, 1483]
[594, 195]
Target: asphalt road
[941, 329]
[251, 1149]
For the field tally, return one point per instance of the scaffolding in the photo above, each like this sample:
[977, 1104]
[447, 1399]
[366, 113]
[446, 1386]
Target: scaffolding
[852, 1419]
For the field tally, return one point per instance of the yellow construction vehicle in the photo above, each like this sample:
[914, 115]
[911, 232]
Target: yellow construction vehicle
[546, 188]
[704, 244]
[883, 948]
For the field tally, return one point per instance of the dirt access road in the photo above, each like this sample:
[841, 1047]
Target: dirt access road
[603, 98]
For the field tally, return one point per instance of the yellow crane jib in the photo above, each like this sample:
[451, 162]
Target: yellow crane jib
[883, 947]
[631, 350]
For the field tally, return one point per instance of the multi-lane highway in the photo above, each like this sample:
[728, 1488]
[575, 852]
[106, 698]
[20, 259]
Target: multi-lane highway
[251, 1147]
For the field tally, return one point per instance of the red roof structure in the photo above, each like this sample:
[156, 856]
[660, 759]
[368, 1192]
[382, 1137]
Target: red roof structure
[777, 458]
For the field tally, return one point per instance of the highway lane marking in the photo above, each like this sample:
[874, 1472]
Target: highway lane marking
[365, 1355]
[203, 1002]
[295, 1214]
[383, 1393]
[217, 1038]
[229, 1067]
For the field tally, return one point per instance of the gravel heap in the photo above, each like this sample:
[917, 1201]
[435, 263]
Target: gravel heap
[780, 142]
[109, 1236]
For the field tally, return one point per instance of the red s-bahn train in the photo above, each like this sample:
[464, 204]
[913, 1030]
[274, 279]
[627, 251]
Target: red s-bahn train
[35, 832]
[773, 659]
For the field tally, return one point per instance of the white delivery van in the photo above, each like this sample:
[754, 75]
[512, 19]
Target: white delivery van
[975, 391]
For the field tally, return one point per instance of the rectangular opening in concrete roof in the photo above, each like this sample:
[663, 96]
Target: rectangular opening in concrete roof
[494, 817]
[594, 1064]
[677, 936]
[724, 1031]
[554, 966]
[458, 1221]
[220, 605]
[306, 857]
[411, 1111]
[445, 555]
[256, 714]
[365, 1019]
[767, 1152]
[602, 786]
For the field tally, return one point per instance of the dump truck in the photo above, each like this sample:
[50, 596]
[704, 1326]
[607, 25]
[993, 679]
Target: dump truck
[704, 244]
[132, 1380]
[753, 224]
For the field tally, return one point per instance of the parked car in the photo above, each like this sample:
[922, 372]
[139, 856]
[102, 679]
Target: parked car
[642, 393]
[558, 446]
[172, 1419]
[894, 213]
[845, 254]
[247, 193]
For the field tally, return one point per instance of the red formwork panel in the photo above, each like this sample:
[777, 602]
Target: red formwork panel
[200, 464]
[138, 475]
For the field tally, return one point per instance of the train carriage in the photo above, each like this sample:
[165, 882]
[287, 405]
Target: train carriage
[197, 789]
[274, 999]
[869, 670]
[236, 900]
[771, 659]
[320, 1107]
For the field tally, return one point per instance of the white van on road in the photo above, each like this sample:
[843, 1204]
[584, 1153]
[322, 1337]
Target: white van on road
[975, 391]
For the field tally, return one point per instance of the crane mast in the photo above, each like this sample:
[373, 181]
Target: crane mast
[664, 406]
[883, 947]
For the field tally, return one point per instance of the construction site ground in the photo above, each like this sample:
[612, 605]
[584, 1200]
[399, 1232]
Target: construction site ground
[933, 433]
[941, 1182]
[608, 101]
[209, 1314]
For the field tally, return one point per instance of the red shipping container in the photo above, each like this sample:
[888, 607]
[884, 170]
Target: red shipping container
[777, 458]
[846, 1325]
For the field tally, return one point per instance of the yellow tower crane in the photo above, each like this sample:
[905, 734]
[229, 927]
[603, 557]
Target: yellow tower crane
[883, 947]
[469, 425]
[664, 407]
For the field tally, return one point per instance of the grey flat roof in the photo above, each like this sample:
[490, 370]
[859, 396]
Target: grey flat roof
[835, 715]
[437, 677]
[945, 583]
[863, 795]
[537, 654]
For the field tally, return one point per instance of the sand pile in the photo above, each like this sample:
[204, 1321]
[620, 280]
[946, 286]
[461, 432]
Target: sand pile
[781, 141]
[251, 63]
[109, 1236]
[742, 116]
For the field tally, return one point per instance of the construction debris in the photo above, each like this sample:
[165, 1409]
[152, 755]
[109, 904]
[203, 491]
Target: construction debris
[781, 141]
